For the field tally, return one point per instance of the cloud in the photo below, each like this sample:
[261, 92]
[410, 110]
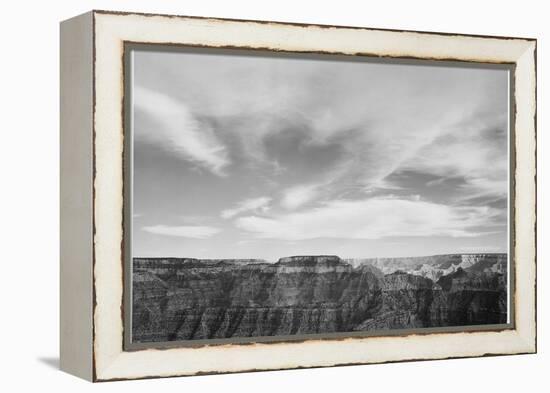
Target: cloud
[475, 149]
[247, 205]
[297, 196]
[382, 115]
[371, 219]
[305, 132]
[180, 132]
[194, 232]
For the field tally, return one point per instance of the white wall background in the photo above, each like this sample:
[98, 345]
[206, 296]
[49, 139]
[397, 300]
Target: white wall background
[29, 195]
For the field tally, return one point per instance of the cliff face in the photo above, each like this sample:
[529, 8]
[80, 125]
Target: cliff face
[182, 299]
[437, 266]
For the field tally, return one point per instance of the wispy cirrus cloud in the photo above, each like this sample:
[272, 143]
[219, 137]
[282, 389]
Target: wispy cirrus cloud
[475, 150]
[371, 219]
[180, 132]
[297, 196]
[190, 231]
[384, 120]
[329, 142]
[260, 203]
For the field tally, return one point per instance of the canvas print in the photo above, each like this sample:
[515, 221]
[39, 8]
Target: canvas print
[286, 195]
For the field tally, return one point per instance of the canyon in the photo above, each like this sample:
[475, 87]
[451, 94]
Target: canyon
[188, 299]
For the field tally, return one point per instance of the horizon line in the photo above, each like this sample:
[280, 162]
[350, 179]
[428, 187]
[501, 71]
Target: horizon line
[318, 255]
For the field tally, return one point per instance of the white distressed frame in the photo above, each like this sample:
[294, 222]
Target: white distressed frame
[111, 30]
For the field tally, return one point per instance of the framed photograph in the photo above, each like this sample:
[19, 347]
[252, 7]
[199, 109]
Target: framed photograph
[246, 195]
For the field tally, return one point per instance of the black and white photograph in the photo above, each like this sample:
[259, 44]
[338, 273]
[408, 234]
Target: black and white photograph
[278, 195]
[211, 196]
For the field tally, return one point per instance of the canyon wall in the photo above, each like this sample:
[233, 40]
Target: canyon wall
[186, 299]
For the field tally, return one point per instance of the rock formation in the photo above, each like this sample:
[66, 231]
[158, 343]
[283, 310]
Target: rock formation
[436, 266]
[186, 299]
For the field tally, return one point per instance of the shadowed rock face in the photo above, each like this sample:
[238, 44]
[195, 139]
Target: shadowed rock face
[186, 299]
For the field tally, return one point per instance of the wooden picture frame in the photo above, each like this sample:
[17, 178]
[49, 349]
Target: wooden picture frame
[96, 221]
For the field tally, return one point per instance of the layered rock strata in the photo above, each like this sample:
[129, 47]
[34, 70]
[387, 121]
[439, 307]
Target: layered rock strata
[188, 299]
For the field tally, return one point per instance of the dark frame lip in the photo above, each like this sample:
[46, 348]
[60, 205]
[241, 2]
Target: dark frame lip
[303, 24]
[297, 339]
[126, 307]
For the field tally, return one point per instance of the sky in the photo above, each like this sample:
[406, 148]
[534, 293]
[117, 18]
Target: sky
[250, 155]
